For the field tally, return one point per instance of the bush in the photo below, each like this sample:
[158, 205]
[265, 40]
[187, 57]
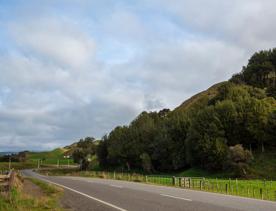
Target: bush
[239, 158]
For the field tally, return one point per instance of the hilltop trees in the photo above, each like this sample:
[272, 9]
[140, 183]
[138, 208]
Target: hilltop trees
[260, 71]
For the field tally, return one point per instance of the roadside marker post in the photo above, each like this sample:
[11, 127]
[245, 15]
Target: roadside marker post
[10, 162]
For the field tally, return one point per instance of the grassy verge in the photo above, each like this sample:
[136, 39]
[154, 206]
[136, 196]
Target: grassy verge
[17, 165]
[259, 189]
[16, 200]
[51, 161]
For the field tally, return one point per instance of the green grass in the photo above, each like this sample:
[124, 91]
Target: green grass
[54, 154]
[16, 165]
[49, 190]
[18, 201]
[46, 158]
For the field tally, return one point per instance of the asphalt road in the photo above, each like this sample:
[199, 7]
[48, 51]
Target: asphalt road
[85, 194]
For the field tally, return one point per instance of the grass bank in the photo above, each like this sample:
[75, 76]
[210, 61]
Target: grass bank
[17, 200]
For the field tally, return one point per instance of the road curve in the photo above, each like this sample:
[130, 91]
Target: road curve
[90, 194]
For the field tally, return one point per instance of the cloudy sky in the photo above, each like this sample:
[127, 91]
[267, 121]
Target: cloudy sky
[76, 68]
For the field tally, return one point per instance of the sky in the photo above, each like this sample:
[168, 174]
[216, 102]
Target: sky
[76, 68]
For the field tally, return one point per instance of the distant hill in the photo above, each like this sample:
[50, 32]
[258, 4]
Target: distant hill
[50, 157]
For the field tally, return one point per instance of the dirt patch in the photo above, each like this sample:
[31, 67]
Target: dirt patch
[31, 189]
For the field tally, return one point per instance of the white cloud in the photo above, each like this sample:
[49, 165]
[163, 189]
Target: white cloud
[58, 40]
[247, 23]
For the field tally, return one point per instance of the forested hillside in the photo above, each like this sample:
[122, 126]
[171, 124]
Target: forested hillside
[218, 129]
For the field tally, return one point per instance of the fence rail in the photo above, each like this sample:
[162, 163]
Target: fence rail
[6, 181]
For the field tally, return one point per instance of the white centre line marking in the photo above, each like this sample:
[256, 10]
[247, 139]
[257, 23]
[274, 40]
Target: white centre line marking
[175, 197]
[116, 186]
[83, 194]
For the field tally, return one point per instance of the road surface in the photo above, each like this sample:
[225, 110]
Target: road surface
[90, 194]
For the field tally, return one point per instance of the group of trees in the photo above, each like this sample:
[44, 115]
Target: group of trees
[172, 140]
[84, 152]
[16, 157]
[214, 130]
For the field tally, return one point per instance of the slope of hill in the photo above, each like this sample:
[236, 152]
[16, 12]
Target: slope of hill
[49, 157]
[201, 98]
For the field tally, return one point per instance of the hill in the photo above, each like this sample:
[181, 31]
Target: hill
[49, 157]
[228, 127]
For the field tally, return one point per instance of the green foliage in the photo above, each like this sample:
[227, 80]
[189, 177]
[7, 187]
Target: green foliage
[239, 159]
[146, 162]
[206, 140]
[84, 152]
[260, 71]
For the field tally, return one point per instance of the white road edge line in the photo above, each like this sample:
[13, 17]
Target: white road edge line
[83, 194]
[175, 197]
[116, 186]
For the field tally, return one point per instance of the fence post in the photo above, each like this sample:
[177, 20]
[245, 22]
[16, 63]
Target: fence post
[146, 179]
[226, 188]
[186, 179]
[253, 192]
[173, 180]
[237, 191]
[261, 193]
[200, 184]
[114, 175]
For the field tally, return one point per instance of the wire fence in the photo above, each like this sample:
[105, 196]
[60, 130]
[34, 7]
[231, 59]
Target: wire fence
[258, 189]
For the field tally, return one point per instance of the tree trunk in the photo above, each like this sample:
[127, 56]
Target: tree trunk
[128, 166]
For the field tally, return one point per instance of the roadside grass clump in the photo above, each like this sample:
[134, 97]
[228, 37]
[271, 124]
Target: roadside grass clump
[48, 189]
[17, 200]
